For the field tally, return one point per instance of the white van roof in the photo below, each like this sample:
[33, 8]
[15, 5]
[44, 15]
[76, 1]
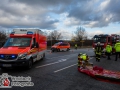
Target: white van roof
[25, 31]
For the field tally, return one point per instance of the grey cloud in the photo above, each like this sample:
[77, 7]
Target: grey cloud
[33, 13]
[113, 8]
[45, 2]
[13, 15]
[31, 22]
[54, 6]
[85, 12]
[88, 12]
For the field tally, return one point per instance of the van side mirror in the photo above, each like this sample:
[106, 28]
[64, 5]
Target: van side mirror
[33, 45]
[37, 45]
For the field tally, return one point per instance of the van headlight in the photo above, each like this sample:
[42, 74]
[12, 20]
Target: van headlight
[22, 56]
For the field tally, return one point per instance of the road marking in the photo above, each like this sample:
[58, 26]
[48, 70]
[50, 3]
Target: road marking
[62, 60]
[61, 56]
[91, 58]
[65, 68]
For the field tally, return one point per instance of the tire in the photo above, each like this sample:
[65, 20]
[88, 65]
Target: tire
[58, 50]
[67, 49]
[43, 56]
[30, 64]
[52, 50]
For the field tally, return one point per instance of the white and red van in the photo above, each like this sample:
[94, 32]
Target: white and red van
[23, 48]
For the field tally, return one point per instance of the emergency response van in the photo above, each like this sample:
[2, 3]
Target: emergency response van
[60, 46]
[23, 48]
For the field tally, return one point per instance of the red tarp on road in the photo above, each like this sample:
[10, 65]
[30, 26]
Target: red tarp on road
[101, 74]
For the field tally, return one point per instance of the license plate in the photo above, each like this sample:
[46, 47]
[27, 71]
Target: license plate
[7, 65]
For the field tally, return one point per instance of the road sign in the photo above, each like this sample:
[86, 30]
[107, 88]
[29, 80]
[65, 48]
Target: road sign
[73, 40]
[82, 41]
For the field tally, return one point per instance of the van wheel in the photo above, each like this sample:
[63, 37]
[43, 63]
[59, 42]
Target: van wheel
[58, 50]
[43, 56]
[30, 64]
[67, 49]
[52, 50]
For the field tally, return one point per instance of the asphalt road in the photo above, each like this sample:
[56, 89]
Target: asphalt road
[58, 71]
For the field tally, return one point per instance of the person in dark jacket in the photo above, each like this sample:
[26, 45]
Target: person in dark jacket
[98, 51]
[76, 46]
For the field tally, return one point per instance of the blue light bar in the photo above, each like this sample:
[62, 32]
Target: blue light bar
[13, 56]
[2, 56]
[29, 33]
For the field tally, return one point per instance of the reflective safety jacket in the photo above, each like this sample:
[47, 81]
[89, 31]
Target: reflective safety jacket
[75, 45]
[108, 48]
[98, 50]
[117, 47]
[84, 57]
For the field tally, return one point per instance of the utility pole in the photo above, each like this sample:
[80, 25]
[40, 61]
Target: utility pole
[51, 41]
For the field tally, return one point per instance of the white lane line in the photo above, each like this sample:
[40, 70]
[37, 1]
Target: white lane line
[91, 58]
[62, 60]
[61, 56]
[65, 68]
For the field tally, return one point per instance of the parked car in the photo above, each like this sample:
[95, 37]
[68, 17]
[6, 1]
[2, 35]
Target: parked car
[60, 46]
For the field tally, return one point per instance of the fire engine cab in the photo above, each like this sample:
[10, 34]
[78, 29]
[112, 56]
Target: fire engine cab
[23, 48]
[104, 39]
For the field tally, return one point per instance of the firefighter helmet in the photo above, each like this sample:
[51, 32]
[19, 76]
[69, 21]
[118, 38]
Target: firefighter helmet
[117, 40]
[85, 54]
[79, 54]
[98, 43]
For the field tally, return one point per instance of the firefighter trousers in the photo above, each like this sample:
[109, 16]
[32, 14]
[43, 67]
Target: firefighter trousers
[108, 55]
[98, 57]
[117, 53]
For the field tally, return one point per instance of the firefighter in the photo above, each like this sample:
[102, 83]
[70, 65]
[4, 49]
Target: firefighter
[108, 50]
[76, 46]
[117, 49]
[79, 60]
[98, 51]
[84, 60]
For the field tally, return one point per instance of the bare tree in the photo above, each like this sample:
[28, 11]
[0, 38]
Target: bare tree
[3, 36]
[54, 35]
[80, 34]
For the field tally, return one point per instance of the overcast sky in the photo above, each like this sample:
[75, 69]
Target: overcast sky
[96, 16]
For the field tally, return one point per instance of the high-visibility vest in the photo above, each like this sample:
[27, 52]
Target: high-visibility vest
[84, 57]
[108, 48]
[75, 45]
[117, 47]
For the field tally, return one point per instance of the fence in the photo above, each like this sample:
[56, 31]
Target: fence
[72, 43]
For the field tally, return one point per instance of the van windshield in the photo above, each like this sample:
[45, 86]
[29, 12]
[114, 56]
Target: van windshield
[100, 39]
[18, 42]
[56, 44]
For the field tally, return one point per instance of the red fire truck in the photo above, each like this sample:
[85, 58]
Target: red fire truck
[104, 39]
[23, 48]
